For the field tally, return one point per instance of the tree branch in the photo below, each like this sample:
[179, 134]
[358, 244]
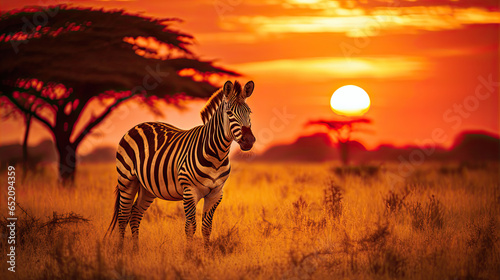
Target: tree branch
[51, 102]
[34, 114]
[93, 122]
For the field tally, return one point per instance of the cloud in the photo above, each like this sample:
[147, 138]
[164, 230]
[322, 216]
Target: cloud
[359, 20]
[227, 37]
[487, 4]
[408, 21]
[327, 68]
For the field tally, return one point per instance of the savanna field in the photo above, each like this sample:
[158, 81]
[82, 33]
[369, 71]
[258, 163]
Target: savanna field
[276, 221]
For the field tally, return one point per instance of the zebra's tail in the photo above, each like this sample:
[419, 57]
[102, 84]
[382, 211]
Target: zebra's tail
[115, 214]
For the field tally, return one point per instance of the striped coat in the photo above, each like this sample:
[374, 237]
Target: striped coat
[158, 160]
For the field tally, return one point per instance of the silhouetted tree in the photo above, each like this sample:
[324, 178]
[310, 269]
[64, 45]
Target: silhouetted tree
[77, 56]
[342, 131]
[11, 111]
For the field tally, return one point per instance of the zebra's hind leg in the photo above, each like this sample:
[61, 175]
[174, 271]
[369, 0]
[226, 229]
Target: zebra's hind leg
[144, 200]
[127, 189]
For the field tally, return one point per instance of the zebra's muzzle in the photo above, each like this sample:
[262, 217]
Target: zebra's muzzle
[247, 139]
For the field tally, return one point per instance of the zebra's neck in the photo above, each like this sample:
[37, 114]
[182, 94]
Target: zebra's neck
[216, 140]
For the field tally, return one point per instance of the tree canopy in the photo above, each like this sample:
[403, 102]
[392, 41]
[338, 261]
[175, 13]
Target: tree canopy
[87, 49]
[68, 57]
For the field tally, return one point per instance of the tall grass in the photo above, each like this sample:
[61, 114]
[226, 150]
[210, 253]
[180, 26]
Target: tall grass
[275, 221]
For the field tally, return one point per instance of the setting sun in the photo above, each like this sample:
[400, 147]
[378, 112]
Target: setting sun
[350, 100]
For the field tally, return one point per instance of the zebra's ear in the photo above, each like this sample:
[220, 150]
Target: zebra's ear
[228, 88]
[248, 89]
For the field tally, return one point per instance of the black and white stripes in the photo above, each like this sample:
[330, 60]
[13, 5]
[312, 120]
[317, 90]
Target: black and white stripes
[158, 160]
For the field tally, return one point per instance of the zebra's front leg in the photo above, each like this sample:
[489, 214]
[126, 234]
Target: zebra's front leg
[144, 200]
[190, 199]
[211, 202]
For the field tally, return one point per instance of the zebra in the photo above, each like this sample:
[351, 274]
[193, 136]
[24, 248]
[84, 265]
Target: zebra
[158, 160]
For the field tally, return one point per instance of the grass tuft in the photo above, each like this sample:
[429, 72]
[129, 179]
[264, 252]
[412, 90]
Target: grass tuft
[395, 201]
[482, 244]
[228, 242]
[431, 215]
[332, 201]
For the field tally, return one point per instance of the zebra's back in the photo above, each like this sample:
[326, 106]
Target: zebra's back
[152, 153]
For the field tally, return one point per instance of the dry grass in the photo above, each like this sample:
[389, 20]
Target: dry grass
[274, 222]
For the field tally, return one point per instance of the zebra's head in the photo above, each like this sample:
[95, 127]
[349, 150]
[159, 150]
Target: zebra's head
[238, 113]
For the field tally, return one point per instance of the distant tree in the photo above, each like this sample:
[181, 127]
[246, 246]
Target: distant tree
[8, 111]
[80, 57]
[341, 131]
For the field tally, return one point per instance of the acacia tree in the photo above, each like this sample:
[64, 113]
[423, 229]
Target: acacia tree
[341, 131]
[30, 104]
[80, 56]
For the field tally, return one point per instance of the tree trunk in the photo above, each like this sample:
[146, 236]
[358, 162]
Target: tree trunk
[344, 152]
[67, 160]
[25, 145]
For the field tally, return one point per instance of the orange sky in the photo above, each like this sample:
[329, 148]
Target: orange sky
[423, 63]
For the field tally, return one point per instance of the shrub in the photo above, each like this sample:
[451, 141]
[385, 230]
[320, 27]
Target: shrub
[435, 213]
[332, 200]
[430, 215]
[394, 201]
[417, 215]
[30, 228]
[482, 244]
[363, 171]
[304, 266]
[382, 258]
[301, 218]
[450, 170]
[388, 262]
[299, 208]
[227, 243]
[376, 239]
[268, 227]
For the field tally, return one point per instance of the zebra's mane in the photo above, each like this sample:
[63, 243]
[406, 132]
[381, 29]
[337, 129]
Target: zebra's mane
[212, 105]
[215, 100]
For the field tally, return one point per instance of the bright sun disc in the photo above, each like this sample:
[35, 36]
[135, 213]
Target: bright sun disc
[350, 101]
